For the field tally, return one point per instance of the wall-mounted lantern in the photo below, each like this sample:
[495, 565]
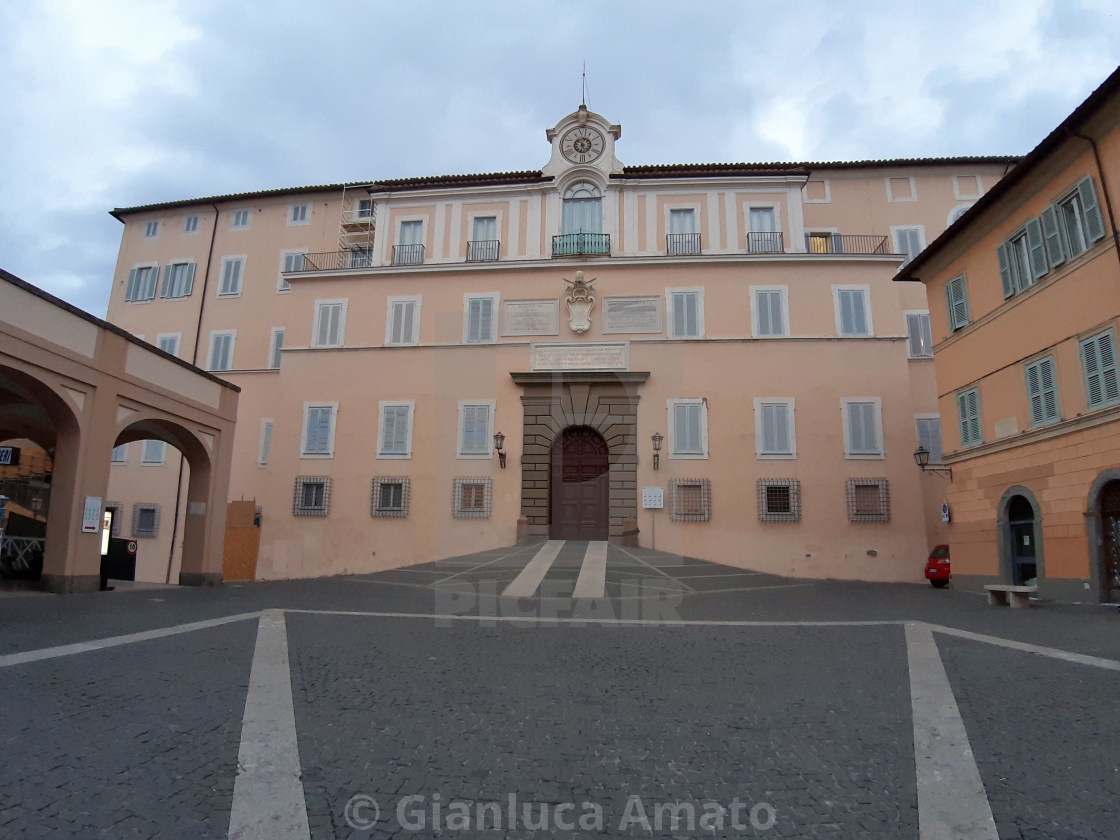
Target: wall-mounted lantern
[499, 443]
[921, 458]
[657, 441]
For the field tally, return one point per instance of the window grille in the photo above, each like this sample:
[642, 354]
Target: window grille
[869, 500]
[389, 497]
[471, 498]
[779, 500]
[312, 495]
[690, 500]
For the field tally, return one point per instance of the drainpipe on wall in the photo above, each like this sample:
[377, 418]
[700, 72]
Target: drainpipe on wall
[194, 361]
[1104, 187]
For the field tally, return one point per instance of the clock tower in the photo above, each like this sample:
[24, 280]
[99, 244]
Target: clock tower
[583, 140]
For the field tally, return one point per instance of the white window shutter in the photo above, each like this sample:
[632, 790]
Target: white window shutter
[130, 289]
[775, 428]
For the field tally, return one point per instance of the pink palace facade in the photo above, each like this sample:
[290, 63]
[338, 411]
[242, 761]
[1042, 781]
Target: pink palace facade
[382, 333]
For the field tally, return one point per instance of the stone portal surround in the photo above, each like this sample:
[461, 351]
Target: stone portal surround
[605, 407]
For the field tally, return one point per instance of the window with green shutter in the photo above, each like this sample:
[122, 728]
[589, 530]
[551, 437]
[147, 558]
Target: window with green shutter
[968, 410]
[1098, 357]
[958, 303]
[1042, 392]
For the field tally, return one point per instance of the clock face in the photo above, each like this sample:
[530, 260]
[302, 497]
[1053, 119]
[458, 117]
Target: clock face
[582, 144]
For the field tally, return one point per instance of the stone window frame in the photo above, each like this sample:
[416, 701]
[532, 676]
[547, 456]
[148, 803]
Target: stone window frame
[137, 531]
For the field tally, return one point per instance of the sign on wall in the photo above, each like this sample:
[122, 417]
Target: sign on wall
[91, 515]
[578, 355]
[530, 317]
[653, 498]
[9, 456]
[632, 315]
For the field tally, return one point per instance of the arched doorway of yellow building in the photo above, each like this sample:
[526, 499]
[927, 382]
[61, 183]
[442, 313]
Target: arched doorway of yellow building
[579, 489]
[1102, 517]
[1020, 537]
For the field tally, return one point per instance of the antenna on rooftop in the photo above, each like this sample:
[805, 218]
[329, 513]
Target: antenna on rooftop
[583, 95]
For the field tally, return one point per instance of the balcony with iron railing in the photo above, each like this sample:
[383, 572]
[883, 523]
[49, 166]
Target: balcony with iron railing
[847, 243]
[408, 255]
[483, 250]
[682, 244]
[765, 242]
[581, 244]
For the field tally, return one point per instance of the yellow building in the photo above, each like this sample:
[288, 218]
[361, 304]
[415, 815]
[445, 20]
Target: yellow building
[1024, 298]
[384, 333]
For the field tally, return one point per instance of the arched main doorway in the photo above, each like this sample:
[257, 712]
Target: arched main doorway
[579, 505]
[1021, 538]
[1110, 548]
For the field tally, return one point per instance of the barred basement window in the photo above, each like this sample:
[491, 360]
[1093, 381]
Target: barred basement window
[312, 495]
[471, 498]
[779, 500]
[145, 520]
[869, 500]
[690, 500]
[389, 497]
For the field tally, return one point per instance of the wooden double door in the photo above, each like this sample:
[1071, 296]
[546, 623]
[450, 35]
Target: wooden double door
[579, 492]
[1110, 551]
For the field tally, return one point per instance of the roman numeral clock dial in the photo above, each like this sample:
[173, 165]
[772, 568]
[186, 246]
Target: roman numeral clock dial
[582, 144]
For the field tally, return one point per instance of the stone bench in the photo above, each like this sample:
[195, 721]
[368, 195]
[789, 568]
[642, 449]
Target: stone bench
[1003, 594]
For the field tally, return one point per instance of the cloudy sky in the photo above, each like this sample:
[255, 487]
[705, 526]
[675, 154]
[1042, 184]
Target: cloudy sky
[114, 103]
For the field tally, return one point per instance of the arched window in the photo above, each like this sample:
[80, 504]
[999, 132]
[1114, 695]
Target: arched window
[583, 209]
[957, 212]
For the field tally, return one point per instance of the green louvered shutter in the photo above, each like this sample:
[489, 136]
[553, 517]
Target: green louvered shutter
[1094, 225]
[1005, 271]
[958, 303]
[1054, 248]
[1037, 248]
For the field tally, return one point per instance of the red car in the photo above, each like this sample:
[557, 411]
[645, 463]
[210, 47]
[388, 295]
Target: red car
[937, 566]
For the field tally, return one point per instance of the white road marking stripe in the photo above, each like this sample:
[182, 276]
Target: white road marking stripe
[268, 797]
[475, 566]
[652, 567]
[592, 580]
[1053, 653]
[952, 802]
[528, 619]
[114, 641]
[526, 583]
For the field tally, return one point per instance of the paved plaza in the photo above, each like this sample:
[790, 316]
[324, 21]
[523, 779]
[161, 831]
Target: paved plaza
[565, 689]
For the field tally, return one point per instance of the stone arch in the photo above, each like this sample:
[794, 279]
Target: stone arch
[31, 407]
[1007, 503]
[1094, 530]
[610, 410]
[201, 499]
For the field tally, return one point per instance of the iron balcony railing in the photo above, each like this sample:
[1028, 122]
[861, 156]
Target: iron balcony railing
[483, 250]
[765, 242]
[335, 260]
[682, 244]
[408, 254]
[581, 244]
[846, 243]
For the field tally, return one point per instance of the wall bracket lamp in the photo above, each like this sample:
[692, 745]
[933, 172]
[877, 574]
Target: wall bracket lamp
[921, 458]
[499, 444]
[657, 439]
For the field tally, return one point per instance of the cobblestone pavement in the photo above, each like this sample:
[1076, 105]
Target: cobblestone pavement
[685, 683]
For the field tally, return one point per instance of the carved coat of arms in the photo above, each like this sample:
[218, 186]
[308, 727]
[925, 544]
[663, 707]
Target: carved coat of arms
[580, 301]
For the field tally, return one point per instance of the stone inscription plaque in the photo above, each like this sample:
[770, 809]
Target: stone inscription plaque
[582, 356]
[530, 317]
[632, 315]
